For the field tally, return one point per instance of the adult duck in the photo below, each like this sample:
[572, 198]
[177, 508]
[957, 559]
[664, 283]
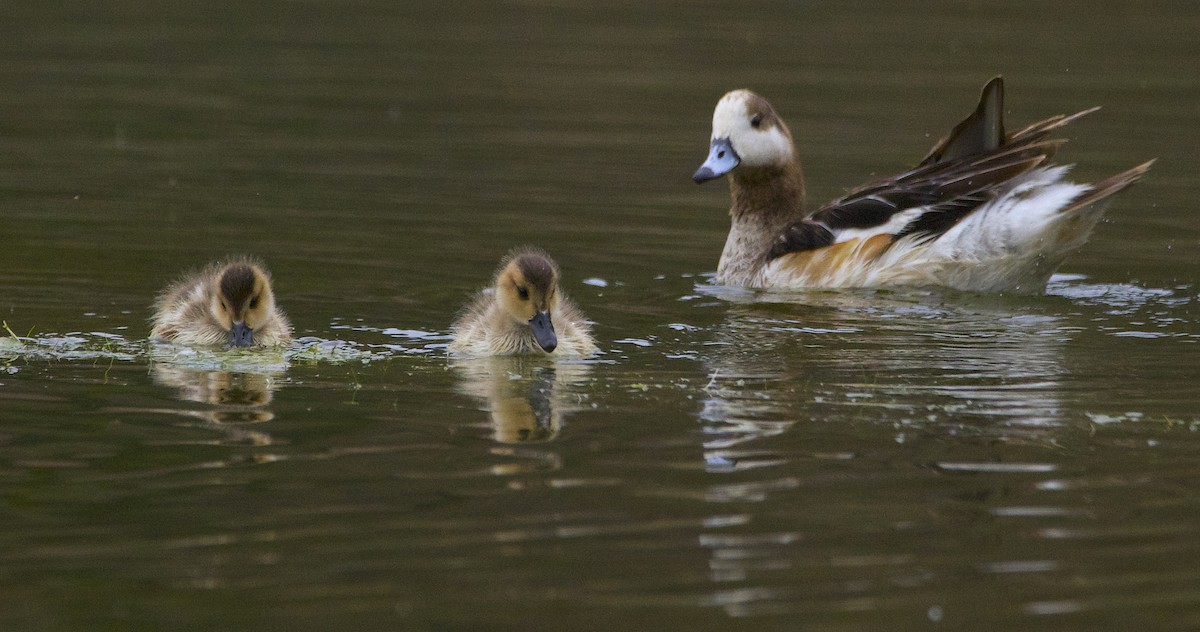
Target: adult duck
[984, 211]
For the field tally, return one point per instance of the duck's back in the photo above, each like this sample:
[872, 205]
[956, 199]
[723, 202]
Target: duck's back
[1010, 237]
[983, 211]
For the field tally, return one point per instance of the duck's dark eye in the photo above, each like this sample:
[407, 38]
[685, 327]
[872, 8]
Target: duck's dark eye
[523, 293]
[254, 303]
[756, 120]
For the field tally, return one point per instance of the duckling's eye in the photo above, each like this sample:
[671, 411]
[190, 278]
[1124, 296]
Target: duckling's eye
[756, 120]
[523, 293]
[254, 303]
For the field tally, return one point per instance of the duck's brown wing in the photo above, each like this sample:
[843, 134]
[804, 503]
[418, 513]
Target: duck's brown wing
[960, 174]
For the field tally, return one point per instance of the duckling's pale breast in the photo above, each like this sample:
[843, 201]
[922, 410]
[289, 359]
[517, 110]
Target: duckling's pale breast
[485, 329]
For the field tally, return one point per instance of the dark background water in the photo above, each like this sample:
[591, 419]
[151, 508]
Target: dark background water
[846, 460]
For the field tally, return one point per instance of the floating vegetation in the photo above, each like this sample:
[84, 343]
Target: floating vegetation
[77, 346]
[313, 350]
[70, 346]
[264, 360]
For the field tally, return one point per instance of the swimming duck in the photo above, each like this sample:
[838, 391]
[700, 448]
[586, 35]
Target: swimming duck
[984, 211]
[225, 304]
[524, 313]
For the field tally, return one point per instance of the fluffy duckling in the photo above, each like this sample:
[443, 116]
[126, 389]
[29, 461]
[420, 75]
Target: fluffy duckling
[525, 313]
[984, 211]
[225, 304]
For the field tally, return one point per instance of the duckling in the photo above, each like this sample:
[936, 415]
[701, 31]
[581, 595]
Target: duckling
[983, 211]
[525, 313]
[225, 304]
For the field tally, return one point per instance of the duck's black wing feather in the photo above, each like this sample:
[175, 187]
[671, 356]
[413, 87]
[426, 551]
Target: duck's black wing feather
[980, 132]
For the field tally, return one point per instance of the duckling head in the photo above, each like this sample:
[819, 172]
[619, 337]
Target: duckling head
[527, 290]
[243, 301]
[746, 132]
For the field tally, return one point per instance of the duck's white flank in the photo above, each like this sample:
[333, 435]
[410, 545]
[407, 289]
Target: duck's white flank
[1013, 243]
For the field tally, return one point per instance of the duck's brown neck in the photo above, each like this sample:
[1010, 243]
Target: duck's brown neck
[766, 200]
[770, 193]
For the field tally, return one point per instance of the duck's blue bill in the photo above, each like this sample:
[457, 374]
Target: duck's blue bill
[721, 160]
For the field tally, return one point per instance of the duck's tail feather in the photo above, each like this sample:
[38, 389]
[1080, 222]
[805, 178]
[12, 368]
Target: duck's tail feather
[1107, 187]
[1075, 221]
[1039, 130]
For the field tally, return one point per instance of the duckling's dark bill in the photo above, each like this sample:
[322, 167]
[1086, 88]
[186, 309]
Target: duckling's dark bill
[543, 331]
[721, 160]
[240, 335]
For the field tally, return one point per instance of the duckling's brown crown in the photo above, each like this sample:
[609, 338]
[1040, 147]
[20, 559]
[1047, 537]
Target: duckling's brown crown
[538, 271]
[237, 283]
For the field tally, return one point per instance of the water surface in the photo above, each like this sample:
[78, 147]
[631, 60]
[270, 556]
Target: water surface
[824, 460]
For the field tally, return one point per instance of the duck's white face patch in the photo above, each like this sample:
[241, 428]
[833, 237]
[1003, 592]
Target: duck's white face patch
[763, 145]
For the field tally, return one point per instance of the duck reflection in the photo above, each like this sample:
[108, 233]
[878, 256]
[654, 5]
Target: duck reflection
[818, 383]
[526, 398]
[234, 398]
[911, 360]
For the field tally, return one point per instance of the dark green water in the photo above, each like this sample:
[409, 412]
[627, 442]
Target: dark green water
[836, 460]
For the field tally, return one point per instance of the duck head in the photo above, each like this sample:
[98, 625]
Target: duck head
[243, 301]
[527, 290]
[746, 132]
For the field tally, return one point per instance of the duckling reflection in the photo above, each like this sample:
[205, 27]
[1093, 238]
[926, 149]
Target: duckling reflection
[526, 400]
[236, 398]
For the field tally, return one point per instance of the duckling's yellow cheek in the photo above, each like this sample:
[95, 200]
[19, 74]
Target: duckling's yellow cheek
[510, 299]
[251, 314]
[524, 311]
[220, 313]
[255, 318]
